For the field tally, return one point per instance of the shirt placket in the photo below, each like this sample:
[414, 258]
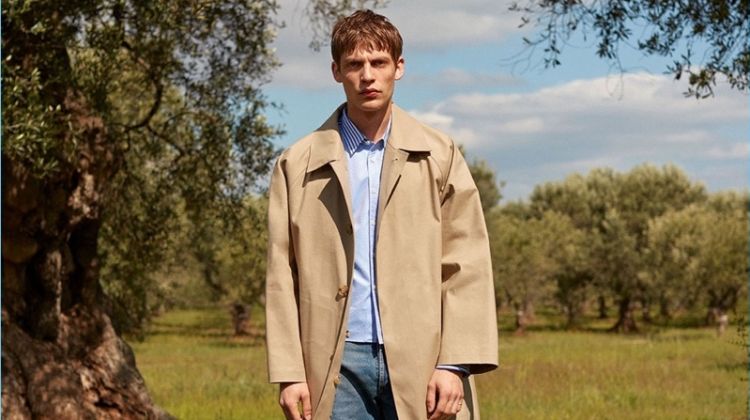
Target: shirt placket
[373, 172]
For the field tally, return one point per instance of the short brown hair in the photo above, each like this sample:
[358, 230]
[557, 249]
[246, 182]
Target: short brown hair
[367, 29]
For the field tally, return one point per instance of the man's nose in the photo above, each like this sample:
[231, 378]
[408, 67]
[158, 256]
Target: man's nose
[367, 75]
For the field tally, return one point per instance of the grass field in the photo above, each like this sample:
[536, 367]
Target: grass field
[195, 369]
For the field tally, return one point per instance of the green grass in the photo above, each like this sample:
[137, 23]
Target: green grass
[195, 369]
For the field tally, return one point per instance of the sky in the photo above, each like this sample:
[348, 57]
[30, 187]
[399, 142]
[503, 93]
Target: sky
[469, 75]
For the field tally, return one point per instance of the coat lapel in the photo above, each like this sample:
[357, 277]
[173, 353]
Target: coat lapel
[328, 148]
[393, 163]
[406, 138]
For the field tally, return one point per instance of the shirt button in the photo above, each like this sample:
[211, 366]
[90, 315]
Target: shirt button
[347, 333]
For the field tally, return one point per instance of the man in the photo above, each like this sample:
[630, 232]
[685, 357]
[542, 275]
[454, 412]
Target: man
[379, 292]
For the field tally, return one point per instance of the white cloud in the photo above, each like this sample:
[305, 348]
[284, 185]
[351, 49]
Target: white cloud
[455, 77]
[524, 126]
[425, 26]
[689, 136]
[436, 120]
[733, 151]
[576, 126]
[441, 23]
[306, 71]
[445, 123]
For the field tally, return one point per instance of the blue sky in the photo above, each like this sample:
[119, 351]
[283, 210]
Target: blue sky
[464, 76]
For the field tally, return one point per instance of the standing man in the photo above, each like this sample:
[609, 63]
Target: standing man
[379, 291]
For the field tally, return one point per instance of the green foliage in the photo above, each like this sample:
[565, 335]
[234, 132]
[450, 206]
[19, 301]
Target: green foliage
[715, 32]
[243, 259]
[230, 254]
[534, 258]
[697, 256]
[489, 188]
[176, 85]
[32, 127]
[647, 236]
[325, 13]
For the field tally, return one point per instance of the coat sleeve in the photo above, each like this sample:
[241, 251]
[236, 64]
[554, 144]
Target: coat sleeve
[283, 345]
[469, 321]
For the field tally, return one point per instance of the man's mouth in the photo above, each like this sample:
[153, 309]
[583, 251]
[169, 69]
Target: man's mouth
[369, 93]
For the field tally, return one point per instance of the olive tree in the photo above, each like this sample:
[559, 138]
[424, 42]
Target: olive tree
[699, 256]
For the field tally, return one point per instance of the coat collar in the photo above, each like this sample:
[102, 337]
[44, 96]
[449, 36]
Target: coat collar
[406, 134]
[326, 145]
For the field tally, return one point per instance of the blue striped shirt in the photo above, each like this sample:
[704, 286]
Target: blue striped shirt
[365, 164]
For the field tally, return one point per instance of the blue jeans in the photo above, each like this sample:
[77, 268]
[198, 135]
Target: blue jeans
[364, 390]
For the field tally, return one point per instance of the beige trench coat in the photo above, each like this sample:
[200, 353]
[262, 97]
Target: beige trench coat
[434, 279]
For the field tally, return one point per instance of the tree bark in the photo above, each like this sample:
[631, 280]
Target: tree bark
[626, 320]
[602, 307]
[61, 358]
[240, 318]
[523, 317]
[529, 312]
[572, 316]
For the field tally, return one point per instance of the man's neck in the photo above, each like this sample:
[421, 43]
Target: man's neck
[371, 124]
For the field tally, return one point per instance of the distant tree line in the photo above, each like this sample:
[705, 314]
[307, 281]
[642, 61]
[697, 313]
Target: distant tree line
[648, 239]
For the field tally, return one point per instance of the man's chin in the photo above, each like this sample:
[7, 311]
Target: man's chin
[371, 106]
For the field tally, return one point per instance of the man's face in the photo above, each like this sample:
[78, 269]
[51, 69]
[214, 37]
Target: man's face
[368, 77]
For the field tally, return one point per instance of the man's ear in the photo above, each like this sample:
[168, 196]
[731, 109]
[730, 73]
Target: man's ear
[400, 68]
[336, 71]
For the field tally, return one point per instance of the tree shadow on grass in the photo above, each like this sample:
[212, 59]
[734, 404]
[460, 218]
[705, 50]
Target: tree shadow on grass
[741, 366]
[551, 321]
[246, 341]
[682, 336]
[161, 328]
[214, 337]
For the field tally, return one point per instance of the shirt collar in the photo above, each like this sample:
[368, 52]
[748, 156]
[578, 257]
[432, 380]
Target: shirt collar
[351, 135]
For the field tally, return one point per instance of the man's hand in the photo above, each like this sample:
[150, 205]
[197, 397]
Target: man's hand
[290, 394]
[445, 394]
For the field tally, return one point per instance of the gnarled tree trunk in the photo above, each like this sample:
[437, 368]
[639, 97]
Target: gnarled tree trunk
[61, 358]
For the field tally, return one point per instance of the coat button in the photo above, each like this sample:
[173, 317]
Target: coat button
[336, 380]
[349, 229]
[343, 292]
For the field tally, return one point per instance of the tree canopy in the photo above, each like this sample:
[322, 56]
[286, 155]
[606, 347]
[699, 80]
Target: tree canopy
[705, 39]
